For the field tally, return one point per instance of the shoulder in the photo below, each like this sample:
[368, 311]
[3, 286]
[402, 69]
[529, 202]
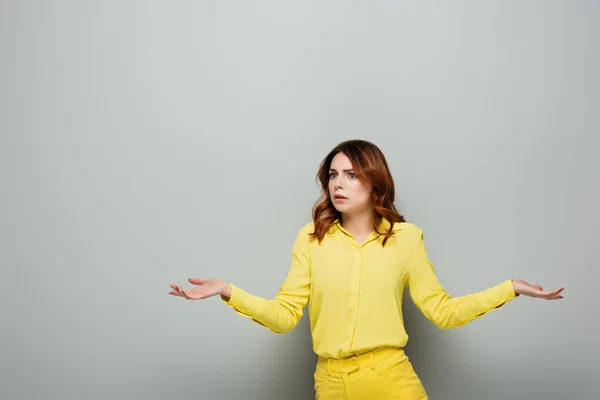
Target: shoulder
[303, 236]
[307, 228]
[407, 227]
[304, 233]
[409, 230]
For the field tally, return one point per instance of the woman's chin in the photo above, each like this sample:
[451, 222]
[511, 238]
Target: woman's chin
[342, 208]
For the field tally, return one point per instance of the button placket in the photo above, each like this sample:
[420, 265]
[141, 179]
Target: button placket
[357, 294]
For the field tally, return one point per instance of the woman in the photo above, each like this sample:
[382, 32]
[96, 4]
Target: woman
[351, 264]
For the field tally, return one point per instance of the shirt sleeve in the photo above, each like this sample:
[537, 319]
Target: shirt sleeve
[282, 313]
[444, 311]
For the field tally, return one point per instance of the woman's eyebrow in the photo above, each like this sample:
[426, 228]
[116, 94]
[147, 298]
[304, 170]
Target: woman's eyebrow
[346, 170]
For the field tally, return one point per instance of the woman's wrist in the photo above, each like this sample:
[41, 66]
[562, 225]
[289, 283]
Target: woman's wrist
[512, 281]
[226, 290]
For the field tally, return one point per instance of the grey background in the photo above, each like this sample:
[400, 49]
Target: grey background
[143, 143]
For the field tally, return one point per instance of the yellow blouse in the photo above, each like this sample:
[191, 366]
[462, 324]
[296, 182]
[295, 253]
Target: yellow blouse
[355, 291]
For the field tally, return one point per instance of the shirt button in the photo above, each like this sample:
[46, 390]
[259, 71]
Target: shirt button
[355, 362]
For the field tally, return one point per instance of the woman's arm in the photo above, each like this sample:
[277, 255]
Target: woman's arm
[444, 311]
[280, 314]
[448, 312]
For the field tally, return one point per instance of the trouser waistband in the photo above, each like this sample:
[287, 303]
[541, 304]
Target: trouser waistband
[362, 361]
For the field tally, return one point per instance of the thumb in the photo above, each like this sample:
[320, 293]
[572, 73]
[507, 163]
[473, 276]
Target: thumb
[196, 281]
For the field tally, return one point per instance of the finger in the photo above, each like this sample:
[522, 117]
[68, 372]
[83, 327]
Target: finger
[555, 294]
[551, 293]
[196, 281]
[183, 292]
[186, 295]
[179, 290]
[174, 293]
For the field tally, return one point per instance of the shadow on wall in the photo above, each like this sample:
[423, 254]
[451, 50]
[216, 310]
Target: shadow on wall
[292, 361]
[429, 350]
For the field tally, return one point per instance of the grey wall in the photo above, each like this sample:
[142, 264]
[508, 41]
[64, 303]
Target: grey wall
[143, 143]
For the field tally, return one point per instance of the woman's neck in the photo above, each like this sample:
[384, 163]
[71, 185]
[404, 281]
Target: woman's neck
[359, 225]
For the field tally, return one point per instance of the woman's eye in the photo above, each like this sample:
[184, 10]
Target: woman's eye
[352, 175]
[332, 174]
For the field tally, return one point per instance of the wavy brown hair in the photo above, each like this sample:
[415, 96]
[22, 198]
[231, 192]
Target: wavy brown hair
[371, 168]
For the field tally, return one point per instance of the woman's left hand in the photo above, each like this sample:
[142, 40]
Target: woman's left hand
[526, 289]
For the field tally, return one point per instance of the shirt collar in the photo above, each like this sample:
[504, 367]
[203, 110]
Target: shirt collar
[383, 226]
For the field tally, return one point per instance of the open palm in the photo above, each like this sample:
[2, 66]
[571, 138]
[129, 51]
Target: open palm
[203, 289]
[526, 289]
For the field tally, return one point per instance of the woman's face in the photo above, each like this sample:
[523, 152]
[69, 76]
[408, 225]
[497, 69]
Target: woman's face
[348, 193]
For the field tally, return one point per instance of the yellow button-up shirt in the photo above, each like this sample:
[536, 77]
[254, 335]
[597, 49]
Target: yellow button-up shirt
[354, 291]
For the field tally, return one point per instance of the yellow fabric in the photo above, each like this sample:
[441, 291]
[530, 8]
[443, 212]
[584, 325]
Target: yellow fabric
[354, 291]
[383, 374]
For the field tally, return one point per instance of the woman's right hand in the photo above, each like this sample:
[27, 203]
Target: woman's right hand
[204, 288]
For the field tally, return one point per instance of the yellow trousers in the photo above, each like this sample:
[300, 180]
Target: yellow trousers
[385, 374]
